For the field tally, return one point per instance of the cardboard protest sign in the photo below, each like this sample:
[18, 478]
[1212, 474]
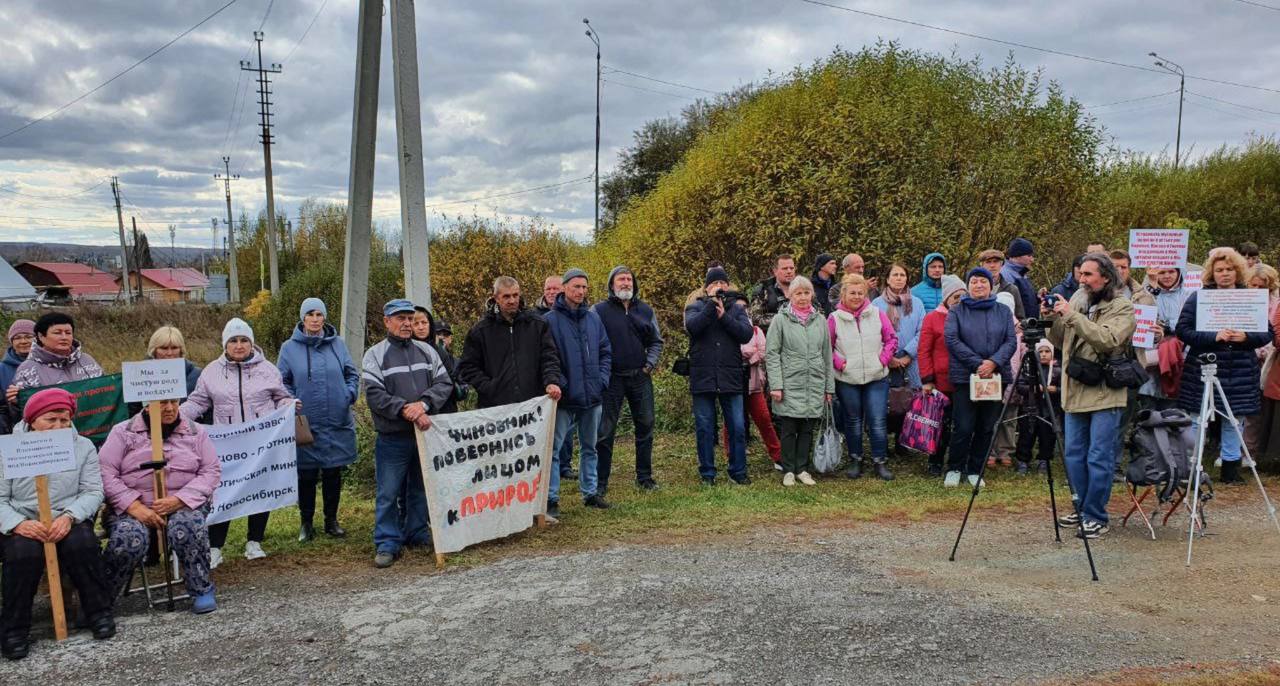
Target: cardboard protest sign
[486, 471]
[259, 466]
[1241, 309]
[1145, 335]
[37, 453]
[99, 405]
[1159, 247]
[154, 380]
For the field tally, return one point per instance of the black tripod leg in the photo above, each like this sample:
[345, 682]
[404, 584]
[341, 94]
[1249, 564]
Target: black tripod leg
[977, 486]
[1053, 501]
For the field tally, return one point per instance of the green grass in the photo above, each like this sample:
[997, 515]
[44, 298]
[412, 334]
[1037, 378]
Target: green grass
[682, 510]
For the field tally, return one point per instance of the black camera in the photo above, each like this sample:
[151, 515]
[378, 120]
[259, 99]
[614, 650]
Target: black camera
[728, 297]
[1033, 330]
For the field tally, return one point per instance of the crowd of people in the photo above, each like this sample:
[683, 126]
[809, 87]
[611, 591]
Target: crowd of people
[792, 353]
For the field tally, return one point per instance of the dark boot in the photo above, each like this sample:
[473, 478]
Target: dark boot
[15, 647]
[1230, 473]
[104, 627]
[854, 471]
[332, 528]
[882, 471]
[307, 532]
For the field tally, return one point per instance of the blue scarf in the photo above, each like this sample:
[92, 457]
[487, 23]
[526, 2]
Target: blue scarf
[984, 304]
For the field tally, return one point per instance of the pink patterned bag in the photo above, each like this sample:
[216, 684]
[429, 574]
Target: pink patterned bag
[922, 427]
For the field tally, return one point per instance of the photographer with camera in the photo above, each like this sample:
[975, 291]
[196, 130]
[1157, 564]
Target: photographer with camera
[1090, 328]
[717, 324]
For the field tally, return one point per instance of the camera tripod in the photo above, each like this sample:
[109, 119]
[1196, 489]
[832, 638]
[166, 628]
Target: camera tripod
[1208, 412]
[1031, 372]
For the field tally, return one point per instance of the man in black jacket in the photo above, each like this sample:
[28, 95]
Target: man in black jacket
[633, 334]
[509, 355]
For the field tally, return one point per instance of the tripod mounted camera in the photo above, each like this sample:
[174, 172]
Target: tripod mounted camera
[1031, 374]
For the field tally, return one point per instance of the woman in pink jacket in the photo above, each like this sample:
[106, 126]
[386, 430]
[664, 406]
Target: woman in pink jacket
[756, 405]
[192, 473]
[239, 386]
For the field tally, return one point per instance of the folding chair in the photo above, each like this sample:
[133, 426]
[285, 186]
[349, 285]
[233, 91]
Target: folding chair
[172, 577]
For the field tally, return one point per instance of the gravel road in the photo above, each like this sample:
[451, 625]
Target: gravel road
[787, 604]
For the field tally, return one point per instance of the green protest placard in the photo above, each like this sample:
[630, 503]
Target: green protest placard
[99, 405]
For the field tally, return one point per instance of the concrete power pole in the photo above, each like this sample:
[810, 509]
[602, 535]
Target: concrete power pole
[124, 249]
[355, 284]
[264, 113]
[233, 273]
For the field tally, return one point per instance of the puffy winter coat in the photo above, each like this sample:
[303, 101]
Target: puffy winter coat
[398, 371]
[509, 362]
[977, 331]
[715, 353]
[929, 290]
[585, 355]
[862, 343]
[1016, 275]
[908, 333]
[319, 371]
[192, 473]
[75, 492]
[1094, 337]
[934, 359]
[753, 352]
[1238, 369]
[237, 391]
[798, 363]
[46, 368]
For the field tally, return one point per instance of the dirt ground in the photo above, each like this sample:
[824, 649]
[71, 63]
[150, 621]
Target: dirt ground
[792, 603]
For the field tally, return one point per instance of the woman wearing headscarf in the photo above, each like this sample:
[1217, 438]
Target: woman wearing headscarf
[798, 362]
[192, 472]
[317, 369]
[74, 497]
[239, 386]
[22, 335]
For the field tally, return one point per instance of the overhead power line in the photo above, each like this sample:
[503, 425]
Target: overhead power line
[128, 69]
[1050, 51]
[55, 197]
[306, 31]
[1264, 6]
[648, 90]
[1121, 102]
[650, 78]
[1233, 104]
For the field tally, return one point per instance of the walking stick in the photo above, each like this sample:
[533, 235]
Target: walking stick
[157, 465]
[51, 561]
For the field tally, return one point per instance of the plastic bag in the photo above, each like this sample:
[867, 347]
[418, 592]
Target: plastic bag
[922, 427]
[827, 450]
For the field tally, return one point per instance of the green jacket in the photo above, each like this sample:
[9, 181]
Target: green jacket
[798, 362]
[1092, 337]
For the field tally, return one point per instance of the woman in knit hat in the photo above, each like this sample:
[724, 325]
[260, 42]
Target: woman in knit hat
[239, 386]
[75, 496]
[22, 334]
[318, 370]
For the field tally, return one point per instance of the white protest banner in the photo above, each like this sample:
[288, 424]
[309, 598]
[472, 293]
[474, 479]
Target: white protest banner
[1158, 247]
[259, 466]
[1145, 335]
[1241, 309]
[154, 380]
[37, 453]
[1193, 280]
[486, 471]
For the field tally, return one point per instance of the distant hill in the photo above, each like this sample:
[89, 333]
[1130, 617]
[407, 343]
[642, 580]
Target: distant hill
[105, 257]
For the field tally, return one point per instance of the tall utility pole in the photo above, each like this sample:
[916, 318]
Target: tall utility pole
[413, 189]
[173, 248]
[137, 256]
[595, 38]
[1169, 66]
[124, 249]
[233, 274]
[264, 113]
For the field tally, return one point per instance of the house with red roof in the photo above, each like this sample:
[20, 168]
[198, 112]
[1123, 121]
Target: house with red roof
[171, 285]
[70, 279]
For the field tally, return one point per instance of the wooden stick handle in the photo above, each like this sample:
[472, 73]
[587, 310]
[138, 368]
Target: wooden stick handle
[51, 561]
[158, 480]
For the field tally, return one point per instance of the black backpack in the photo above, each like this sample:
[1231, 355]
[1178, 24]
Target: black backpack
[1162, 451]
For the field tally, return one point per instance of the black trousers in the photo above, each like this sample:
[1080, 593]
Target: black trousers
[1032, 430]
[797, 442]
[637, 390]
[330, 480]
[257, 530]
[78, 557]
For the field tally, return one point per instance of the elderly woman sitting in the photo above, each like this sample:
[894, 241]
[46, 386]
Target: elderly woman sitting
[192, 473]
[74, 496]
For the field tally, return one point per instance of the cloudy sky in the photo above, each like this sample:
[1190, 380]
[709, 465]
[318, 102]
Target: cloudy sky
[508, 92]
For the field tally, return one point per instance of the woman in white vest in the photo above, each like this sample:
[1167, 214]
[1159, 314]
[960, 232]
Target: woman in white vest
[862, 344]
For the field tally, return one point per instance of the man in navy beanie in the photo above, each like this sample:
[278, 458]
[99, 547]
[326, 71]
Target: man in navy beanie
[1018, 260]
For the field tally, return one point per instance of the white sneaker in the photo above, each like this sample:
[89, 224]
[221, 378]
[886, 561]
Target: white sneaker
[253, 551]
[215, 557]
[952, 480]
[1217, 462]
[788, 479]
[777, 466]
[973, 481]
[806, 479]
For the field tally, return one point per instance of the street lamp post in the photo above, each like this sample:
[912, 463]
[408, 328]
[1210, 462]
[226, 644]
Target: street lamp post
[1173, 68]
[595, 38]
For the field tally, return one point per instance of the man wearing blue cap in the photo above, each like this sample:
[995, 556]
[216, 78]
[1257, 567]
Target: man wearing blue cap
[404, 383]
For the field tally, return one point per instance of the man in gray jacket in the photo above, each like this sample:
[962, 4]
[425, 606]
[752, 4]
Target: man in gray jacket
[404, 383]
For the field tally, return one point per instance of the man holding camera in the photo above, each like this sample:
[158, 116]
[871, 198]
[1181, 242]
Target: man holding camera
[1089, 329]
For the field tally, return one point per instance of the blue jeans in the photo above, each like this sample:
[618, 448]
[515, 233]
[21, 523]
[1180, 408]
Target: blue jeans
[587, 423]
[1090, 455]
[865, 405]
[704, 422]
[396, 470]
[1229, 444]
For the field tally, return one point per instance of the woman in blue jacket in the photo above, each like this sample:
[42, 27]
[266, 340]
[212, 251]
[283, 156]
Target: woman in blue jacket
[318, 370]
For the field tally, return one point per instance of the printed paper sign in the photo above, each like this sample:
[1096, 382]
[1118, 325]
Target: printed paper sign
[1241, 309]
[259, 466]
[154, 380]
[486, 471]
[1158, 247]
[1193, 281]
[1145, 335]
[37, 453]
